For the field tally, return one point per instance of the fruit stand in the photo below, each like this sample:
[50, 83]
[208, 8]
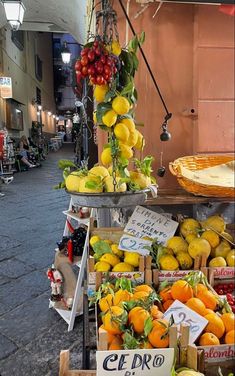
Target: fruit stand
[150, 289]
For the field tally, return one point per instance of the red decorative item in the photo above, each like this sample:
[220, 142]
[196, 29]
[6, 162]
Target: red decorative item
[70, 250]
[227, 9]
[70, 227]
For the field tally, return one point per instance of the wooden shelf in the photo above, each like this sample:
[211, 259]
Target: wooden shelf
[75, 216]
[181, 197]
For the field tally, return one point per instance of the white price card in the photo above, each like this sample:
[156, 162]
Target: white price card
[184, 315]
[133, 244]
[135, 362]
[145, 222]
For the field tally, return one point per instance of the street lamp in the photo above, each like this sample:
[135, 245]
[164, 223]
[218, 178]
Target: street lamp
[14, 10]
[65, 53]
[49, 113]
[39, 107]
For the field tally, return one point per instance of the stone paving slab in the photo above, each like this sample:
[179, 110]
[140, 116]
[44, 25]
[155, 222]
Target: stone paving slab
[7, 347]
[36, 260]
[14, 268]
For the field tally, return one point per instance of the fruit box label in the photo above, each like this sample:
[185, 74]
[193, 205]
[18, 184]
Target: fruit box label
[144, 222]
[172, 275]
[224, 272]
[220, 353]
[184, 315]
[135, 362]
[134, 276]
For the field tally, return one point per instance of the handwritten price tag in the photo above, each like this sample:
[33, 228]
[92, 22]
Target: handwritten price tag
[184, 315]
[135, 362]
[145, 222]
[132, 244]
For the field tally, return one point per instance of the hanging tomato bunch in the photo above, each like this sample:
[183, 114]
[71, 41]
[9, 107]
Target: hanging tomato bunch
[96, 63]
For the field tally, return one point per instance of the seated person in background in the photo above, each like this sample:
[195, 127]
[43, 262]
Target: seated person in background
[24, 154]
[39, 148]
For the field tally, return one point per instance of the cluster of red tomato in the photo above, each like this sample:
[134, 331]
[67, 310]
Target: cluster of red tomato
[228, 290]
[97, 64]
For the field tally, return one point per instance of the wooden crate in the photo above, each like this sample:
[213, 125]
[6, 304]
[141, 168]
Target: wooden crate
[64, 367]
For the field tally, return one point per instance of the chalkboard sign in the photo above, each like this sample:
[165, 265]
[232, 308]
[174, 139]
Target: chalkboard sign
[135, 362]
[145, 222]
[133, 244]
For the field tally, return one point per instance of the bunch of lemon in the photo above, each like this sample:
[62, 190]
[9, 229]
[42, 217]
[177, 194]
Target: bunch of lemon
[112, 258]
[198, 239]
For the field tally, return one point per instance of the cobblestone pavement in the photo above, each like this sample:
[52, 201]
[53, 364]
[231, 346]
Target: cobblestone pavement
[31, 222]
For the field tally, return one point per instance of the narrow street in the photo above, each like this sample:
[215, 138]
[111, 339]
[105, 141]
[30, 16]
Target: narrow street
[31, 222]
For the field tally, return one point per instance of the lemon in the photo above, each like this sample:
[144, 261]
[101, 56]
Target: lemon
[129, 123]
[189, 226]
[222, 249]
[132, 258]
[185, 260]
[106, 157]
[121, 131]
[110, 259]
[120, 105]
[72, 183]
[140, 179]
[108, 241]
[95, 117]
[109, 187]
[215, 222]
[133, 138]
[217, 262]
[116, 48]
[99, 171]
[199, 247]
[102, 266]
[94, 182]
[94, 239]
[100, 91]
[177, 244]
[116, 250]
[211, 237]
[126, 151]
[139, 145]
[190, 237]
[109, 118]
[227, 236]
[123, 267]
[168, 262]
[231, 258]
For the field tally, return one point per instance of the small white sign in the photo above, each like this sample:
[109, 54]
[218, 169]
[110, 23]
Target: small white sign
[135, 362]
[133, 244]
[6, 87]
[184, 315]
[145, 222]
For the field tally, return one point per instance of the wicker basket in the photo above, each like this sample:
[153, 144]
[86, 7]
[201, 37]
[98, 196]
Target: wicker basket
[199, 162]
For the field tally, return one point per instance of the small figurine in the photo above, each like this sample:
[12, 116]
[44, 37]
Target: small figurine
[56, 283]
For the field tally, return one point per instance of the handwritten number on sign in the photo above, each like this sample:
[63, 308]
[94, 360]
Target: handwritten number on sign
[182, 318]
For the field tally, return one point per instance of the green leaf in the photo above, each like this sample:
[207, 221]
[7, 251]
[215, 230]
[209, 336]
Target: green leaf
[100, 248]
[104, 128]
[130, 342]
[141, 38]
[66, 172]
[128, 88]
[60, 185]
[64, 163]
[135, 61]
[133, 44]
[101, 109]
[92, 184]
[109, 95]
[148, 326]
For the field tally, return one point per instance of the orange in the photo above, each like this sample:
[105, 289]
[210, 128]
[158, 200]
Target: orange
[207, 311]
[154, 312]
[140, 295]
[121, 296]
[159, 336]
[165, 294]
[110, 336]
[106, 302]
[208, 298]
[199, 288]
[145, 288]
[208, 339]
[137, 318]
[167, 304]
[196, 305]
[113, 319]
[146, 345]
[215, 325]
[116, 344]
[229, 321]
[181, 290]
[230, 337]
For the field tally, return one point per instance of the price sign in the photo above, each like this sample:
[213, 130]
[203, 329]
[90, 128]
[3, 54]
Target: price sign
[184, 315]
[6, 87]
[145, 222]
[135, 362]
[132, 244]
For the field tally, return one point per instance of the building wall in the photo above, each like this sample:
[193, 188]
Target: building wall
[173, 38]
[20, 65]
